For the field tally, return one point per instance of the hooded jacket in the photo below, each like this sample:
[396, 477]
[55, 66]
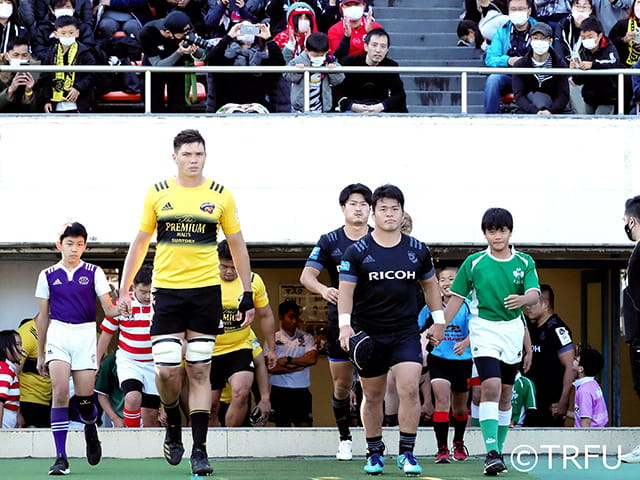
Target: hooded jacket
[283, 38]
[297, 85]
[599, 89]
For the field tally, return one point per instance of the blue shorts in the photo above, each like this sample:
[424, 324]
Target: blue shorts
[390, 349]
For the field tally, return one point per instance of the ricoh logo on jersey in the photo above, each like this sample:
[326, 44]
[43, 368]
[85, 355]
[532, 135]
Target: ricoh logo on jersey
[392, 275]
[518, 275]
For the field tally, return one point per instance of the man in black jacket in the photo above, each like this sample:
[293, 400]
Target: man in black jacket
[541, 93]
[372, 93]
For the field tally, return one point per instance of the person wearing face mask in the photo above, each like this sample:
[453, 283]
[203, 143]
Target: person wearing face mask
[625, 35]
[45, 11]
[600, 93]
[346, 37]
[17, 88]
[240, 49]
[68, 92]
[320, 84]
[301, 22]
[541, 93]
[509, 44]
[44, 37]
[11, 26]
[631, 303]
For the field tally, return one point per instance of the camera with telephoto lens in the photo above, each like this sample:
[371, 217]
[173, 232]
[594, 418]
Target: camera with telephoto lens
[192, 38]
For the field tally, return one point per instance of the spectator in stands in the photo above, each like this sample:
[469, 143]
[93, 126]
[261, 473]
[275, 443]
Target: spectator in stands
[291, 376]
[194, 9]
[126, 16]
[83, 11]
[600, 93]
[17, 88]
[541, 93]
[11, 26]
[610, 11]
[567, 43]
[35, 390]
[68, 91]
[301, 22]
[221, 15]
[372, 93]
[346, 37]
[469, 35]
[551, 11]
[625, 35]
[44, 37]
[163, 45]
[320, 84]
[245, 50]
[509, 44]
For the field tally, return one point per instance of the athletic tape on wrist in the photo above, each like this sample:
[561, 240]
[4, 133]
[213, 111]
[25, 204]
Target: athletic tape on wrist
[344, 320]
[438, 317]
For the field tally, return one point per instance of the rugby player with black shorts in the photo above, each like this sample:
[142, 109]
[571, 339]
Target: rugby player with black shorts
[378, 312]
[355, 200]
[187, 212]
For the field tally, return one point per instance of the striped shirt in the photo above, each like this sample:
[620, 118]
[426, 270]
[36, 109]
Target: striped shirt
[9, 386]
[135, 339]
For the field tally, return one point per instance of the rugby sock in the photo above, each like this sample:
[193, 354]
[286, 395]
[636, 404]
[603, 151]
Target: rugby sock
[407, 442]
[375, 445]
[132, 417]
[441, 427]
[59, 428]
[489, 424]
[459, 425]
[87, 409]
[174, 419]
[475, 415]
[342, 412]
[199, 427]
[504, 420]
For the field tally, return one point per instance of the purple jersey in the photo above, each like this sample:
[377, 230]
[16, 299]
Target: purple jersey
[72, 294]
[589, 403]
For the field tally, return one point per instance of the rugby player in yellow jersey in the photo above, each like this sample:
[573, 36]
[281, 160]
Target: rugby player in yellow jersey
[233, 353]
[187, 212]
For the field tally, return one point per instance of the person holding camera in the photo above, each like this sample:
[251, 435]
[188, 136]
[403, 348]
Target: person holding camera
[16, 88]
[167, 42]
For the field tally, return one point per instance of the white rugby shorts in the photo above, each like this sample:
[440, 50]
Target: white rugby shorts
[501, 340]
[144, 372]
[73, 343]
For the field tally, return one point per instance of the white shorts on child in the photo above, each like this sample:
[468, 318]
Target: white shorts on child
[73, 343]
[9, 418]
[144, 372]
[502, 340]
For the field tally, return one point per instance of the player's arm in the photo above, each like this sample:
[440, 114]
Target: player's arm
[2, 400]
[137, 252]
[585, 422]
[103, 344]
[345, 308]
[103, 400]
[268, 325]
[566, 359]
[528, 351]
[309, 278]
[42, 324]
[110, 310]
[241, 261]
[307, 360]
[262, 378]
[518, 301]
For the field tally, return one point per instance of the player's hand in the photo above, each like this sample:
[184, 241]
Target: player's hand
[426, 411]
[460, 347]
[264, 406]
[124, 305]
[42, 367]
[118, 422]
[558, 410]
[246, 311]
[346, 333]
[330, 294]
[514, 301]
[271, 359]
[435, 334]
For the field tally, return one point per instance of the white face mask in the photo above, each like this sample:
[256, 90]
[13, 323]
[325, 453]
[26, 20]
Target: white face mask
[304, 25]
[58, 12]
[15, 62]
[590, 43]
[353, 13]
[6, 9]
[579, 16]
[317, 61]
[636, 10]
[67, 41]
[518, 18]
[247, 39]
[540, 46]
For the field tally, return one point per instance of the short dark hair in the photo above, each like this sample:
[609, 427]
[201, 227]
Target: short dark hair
[632, 207]
[591, 24]
[387, 191]
[546, 292]
[317, 42]
[65, 21]
[187, 136]
[287, 305]
[496, 218]
[8, 344]
[61, 3]
[354, 188]
[573, 2]
[529, 3]
[377, 32]
[591, 360]
[16, 42]
[144, 275]
[74, 229]
[224, 252]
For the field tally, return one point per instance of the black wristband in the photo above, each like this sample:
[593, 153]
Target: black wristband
[289, 359]
[246, 302]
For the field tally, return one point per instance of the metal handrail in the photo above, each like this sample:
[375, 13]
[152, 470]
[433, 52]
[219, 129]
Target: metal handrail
[464, 72]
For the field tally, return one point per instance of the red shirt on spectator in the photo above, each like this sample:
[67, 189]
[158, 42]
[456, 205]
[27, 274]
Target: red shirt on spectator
[356, 44]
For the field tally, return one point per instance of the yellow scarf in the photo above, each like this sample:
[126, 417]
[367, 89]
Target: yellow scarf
[634, 47]
[63, 81]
